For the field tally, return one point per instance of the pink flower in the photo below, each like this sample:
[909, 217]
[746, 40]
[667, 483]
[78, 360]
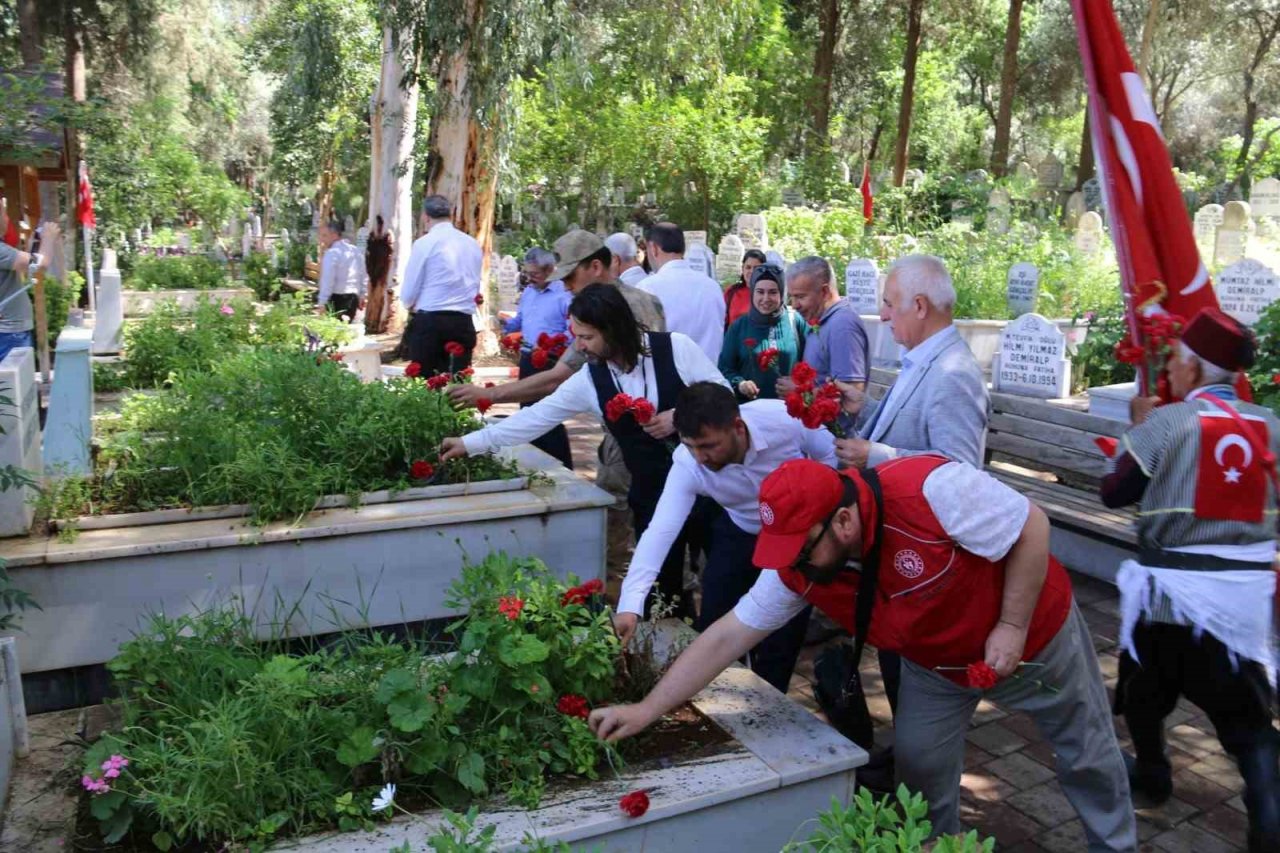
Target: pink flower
[227, 310]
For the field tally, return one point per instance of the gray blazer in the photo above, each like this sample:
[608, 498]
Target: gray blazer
[943, 408]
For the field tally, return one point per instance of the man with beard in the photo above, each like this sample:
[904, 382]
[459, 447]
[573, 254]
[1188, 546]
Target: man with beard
[631, 379]
[953, 572]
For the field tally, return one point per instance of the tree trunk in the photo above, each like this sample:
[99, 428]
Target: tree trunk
[1008, 83]
[874, 148]
[394, 120]
[77, 90]
[1267, 31]
[29, 30]
[914, 13]
[824, 60]
[1084, 169]
[1148, 36]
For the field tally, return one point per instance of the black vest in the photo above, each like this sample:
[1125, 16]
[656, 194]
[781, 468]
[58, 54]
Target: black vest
[648, 460]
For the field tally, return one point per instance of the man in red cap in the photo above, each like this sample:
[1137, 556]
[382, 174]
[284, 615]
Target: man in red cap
[952, 572]
[1197, 605]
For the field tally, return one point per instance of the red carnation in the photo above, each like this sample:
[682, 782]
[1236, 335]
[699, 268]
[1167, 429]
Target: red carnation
[634, 804]
[467, 371]
[454, 348]
[1129, 353]
[490, 385]
[435, 383]
[618, 406]
[795, 404]
[767, 359]
[413, 370]
[510, 342]
[749, 343]
[421, 470]
[538, 358]
[572, 705]
[483, 404]
[642, 410]
[981, 676]
[510, 606]
[1275, 379]
[803, 374]
[479, 298]
[544, 341]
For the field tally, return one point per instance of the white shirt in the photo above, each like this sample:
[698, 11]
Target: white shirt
[773, 436]
[577, 395]
[633, 275]
[982, 515]
[443, 272]
[341, 271]
[693, 303]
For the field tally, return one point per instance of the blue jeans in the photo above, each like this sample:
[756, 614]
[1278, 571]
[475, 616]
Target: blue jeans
[13, 340]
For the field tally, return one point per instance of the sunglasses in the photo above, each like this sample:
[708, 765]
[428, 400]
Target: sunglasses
[804, 561]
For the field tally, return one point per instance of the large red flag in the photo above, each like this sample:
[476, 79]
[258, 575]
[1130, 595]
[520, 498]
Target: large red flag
[1160, 266]
[84, 207]
[868, 200]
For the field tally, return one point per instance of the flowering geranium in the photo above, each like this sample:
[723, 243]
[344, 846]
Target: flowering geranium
[510, 606]
[435, 383]
[572, 705]
[110, 770]
[634, 804]
[768, 360]
[580, 593]
[413, 370]
[421, 470]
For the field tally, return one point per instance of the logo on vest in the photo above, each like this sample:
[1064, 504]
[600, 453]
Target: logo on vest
[766, 514]
[909, 564]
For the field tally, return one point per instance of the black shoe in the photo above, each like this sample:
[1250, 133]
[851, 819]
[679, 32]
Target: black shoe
[1153, 781]
[877, 774]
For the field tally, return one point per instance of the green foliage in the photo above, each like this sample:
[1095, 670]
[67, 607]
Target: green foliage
[1266, 368]
[1094, 363]
[261, 277]
[883, 825]
[176, 272]
[59, 299]
[232, 740]
[278, 430]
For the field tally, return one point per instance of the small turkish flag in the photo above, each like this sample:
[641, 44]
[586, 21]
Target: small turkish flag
[868, 200]
[85, 200]
[1231, 484]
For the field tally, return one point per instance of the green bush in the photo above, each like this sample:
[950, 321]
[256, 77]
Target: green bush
[59, 299]
[230, 740]
[176, 272]
[296, 260]
[1094, 363]
[1266, 369]
[261, 277]
[884, 825]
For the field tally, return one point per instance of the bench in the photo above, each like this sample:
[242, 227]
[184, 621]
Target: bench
[309, 281]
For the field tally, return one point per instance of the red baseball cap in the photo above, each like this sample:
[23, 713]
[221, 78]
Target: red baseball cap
[795, 497]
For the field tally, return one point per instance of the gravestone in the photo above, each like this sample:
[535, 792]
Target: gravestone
[508, 278]
[1075, 208]
[753, 231]
[1264, 199]
[362, 239]
[246, 240]
[1024, 288]
[701, 259]
[960, 214]
[1023, 171]
[691, 237]
[109, 319]
[1245, 289]
[1229, 242]
[978, 176]
[846, 173]
[1089, 233]
[998, 205]
[348, 225]
[862, 285]
[184, 241]
[1207, 220]
[636, 232]
[257, 226]
[729, 257]
[650, 199]
[20, 441]
[913, 178]
[1092, 194]
[68, 425]
[1049, 172]
[1032, 359]
[792, 197]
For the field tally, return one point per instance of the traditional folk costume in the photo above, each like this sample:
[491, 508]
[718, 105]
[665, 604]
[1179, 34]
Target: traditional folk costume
[1198, 604]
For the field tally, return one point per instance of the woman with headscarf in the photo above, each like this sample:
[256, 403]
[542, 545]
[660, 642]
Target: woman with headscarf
[764, 343]
[737, 299]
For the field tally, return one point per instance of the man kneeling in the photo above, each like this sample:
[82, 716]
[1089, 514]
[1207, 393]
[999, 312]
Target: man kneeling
[953, 571]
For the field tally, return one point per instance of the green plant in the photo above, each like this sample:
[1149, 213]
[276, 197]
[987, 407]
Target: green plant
[1264, 376]
[883, 825]
[109, 376]
[261, 277]
[176, 272]
[60, 501]
[59, 299]
[1094, 363]
[296, 259]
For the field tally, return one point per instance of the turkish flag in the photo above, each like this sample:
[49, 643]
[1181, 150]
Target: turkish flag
[11, 234]
[868, 200]
[1231, 482]
[84, 206]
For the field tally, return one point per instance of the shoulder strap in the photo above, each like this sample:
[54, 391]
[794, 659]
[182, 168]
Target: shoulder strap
[869, 580]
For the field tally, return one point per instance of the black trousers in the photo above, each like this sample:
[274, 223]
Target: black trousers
[427, 334]
[1235, 696]
[728, 576]
[555, 441]
[344, 305]
[670, 583]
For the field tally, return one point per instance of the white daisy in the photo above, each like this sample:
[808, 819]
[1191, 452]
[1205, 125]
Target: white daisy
[386, 797]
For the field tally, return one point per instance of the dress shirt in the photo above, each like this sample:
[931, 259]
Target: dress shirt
[982, 515]
[633, 275]
[773, 437]
[693, 303]
[443, 273]
[341, 272]
[912, 360]
[577, 395]
[838, 349]
[540, 310]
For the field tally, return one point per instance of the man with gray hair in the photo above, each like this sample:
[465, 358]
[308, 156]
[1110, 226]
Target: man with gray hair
[441, 283]
[625, 268]
[836, 346]
[342, 275]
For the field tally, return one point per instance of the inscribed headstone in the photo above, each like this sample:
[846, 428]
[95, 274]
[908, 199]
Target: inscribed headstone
[1024, 288]
[1089, 233]
[752, 230]
[348, 225]
[729, 257]
[998, 211]
[1049, 172]
[637, 233]
[1075, 208]
[20, 440]
[109, 318]
[1092, 194]
[1023, 171]
[913, 178]
[1264, 199]
[691, 237]
[508, 278]
[701, 259]
[1229, 243]
[257, 226]
[246, 240]
[792, 197]
[1246, 288]
[1207, 220]
[862, 285]
[1032, 359]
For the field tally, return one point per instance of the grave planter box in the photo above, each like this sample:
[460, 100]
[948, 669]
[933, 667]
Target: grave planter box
[139, 303]
[1112, 401]
[385, 563]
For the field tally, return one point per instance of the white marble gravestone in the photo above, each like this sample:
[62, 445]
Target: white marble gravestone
[1049, 172]
[959, 215]
[701, 259]
[998, 205]
[691, 237]
[1264, 199]
[1245, 289]
[1207, 220]
[753, 231]
[862, 285]
[1022, 170]
[508, 278]
[68, 427]
[362, 239]
[109, 318]
[1032, 359]
[1075, 208]
[348, 226]
[913, 178]
[1023, 288]
[257, 226]
[1089, 233]
[729, 257]
[1233, 233]
[246, 240]
[792, 197]
[1092, 194]
[636, 232]
[20, 441]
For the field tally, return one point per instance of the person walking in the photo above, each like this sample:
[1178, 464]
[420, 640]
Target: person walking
[342, 276]
[441, 283]
[766, 342]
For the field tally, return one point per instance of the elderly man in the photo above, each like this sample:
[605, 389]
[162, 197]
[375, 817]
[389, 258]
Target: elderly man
[441, 283]
[624, 267]
[836, 346]
[1198, 605]
[693, 303]
[945, 564]
[16, 315]
[342, 277]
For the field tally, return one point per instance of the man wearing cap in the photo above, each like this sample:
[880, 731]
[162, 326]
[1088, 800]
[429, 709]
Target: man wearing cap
[953, 572]
[1198, 604]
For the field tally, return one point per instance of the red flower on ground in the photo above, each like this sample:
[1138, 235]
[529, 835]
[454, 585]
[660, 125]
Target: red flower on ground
[435, 383]
[634, 804]
[421, 470]
[479, 298]
[483, 404]
[538, 358]
[769, 358]
[490, 385]
[454, 348]
[981, 676]
[643, 411]
[749, 343]
[510, 606]
[413, 370]
[803, 374]
[572, 705]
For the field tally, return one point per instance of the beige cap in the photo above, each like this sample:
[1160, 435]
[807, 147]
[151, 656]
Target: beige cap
[574, 248]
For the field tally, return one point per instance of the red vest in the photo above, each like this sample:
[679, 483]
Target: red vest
[936, 603]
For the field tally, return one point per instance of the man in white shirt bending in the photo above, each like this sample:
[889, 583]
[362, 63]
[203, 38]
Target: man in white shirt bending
[342, 277]
[726, 452]
[441, 283]
[625, 267]
[692, 302]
